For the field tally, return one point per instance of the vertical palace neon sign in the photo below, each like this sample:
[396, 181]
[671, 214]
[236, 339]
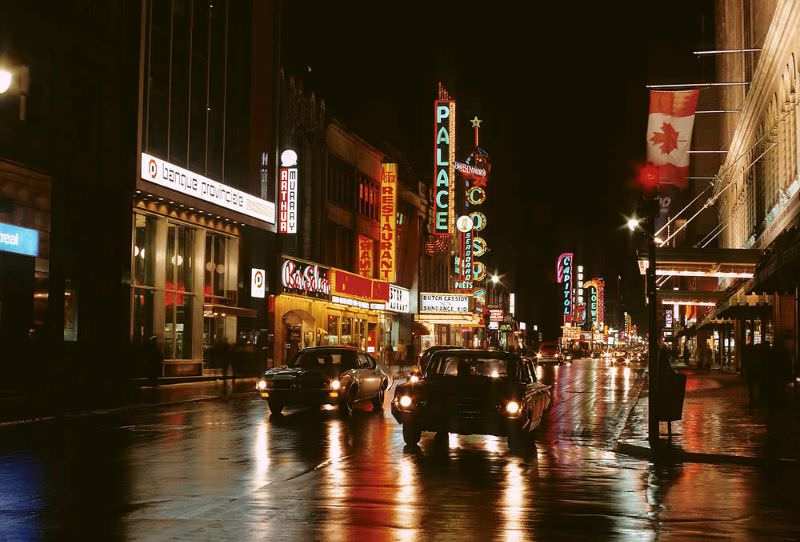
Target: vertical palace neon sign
[564, 277]
[444, 164]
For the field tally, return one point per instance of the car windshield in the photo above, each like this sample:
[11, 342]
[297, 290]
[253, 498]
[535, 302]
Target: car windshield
[323, 359]
[486, 366]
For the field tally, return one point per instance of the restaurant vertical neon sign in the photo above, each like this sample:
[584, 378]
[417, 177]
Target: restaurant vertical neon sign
[444, 164]
[387, 246]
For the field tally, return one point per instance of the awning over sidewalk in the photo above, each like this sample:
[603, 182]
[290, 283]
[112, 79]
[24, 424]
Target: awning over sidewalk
[745, 306]
[715, 323]
[460, 319]
[703, 262]
[690, 297]
[211, 309]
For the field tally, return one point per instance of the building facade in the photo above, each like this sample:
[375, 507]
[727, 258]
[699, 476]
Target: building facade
[139, 154]
[758, 199]
[333, 286]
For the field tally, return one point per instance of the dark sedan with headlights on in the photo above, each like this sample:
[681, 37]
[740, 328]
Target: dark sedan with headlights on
[328, 375]
[473, 392]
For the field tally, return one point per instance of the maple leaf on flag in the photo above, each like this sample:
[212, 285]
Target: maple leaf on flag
[667, 138]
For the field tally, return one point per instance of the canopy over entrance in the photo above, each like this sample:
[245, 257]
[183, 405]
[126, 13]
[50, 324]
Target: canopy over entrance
[734, 263]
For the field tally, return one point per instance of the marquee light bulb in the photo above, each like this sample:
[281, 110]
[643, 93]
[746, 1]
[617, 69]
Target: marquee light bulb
[5, 80]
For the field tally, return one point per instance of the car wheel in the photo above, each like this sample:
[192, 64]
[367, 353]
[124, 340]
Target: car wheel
[274, 406]
[411, 434]
[348, 402]
[377, 402]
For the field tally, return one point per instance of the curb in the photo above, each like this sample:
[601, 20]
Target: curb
[107, 411]
[674, 455]
[679, 456]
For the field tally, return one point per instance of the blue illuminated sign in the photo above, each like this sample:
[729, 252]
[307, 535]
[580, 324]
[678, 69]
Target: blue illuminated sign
[19, 240]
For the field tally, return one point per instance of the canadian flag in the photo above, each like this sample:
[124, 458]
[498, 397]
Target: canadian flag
[669, 134]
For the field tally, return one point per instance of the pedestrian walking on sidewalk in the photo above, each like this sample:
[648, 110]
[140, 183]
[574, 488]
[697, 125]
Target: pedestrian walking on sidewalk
[778, 360]
[749, 371]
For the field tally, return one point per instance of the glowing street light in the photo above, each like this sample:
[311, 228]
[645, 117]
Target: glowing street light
[5, 80]
[633, 223]
[495, 279]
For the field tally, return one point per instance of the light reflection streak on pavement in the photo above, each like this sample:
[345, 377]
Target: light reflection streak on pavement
[229, 471]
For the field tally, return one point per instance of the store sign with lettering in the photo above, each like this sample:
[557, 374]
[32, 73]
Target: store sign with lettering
[257, 283]
[19, 240]
[305, 278]
[496, 315]
[444, 162]
[366, 256]
[287, 200]
[444, 303]
[399, 299]
[172, 177]
[387, 245]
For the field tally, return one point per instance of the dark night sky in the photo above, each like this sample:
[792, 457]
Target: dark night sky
[560, 89]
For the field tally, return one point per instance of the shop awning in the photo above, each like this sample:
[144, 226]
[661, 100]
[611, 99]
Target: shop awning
[461, 319]
[690, 297]
[703, 262]
[745, 306]
[418, 328]
[212, 309]
[715, 323]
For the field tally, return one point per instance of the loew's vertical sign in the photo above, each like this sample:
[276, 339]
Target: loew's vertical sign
[387, 246]
[444, 148]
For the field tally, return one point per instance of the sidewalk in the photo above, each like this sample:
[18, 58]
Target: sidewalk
[16, 408]
[719, 425]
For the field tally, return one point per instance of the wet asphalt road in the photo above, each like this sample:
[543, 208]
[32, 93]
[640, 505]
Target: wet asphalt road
[225, 470]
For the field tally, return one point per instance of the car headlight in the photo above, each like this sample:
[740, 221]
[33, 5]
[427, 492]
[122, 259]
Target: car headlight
[335, 384]
[512, 407]
[405, 401]
[413, 378]
[262, 384]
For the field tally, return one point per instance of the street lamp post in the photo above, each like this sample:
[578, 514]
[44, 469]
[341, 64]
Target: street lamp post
[650, 208]
[652, 312]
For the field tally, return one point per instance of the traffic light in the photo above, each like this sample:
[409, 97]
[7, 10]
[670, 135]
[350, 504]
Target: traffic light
[648, 178]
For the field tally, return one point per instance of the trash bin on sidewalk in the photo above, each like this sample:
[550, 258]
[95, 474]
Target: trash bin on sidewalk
[670, 393]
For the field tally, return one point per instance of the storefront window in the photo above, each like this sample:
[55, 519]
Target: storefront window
[178, 298]
[333, 329]
[143, 255]
[142, 314]
[347, 330]
[218, 253]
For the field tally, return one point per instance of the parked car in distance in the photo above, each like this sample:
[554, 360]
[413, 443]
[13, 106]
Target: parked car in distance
[333, 375]
[468, 391]
[549, 353]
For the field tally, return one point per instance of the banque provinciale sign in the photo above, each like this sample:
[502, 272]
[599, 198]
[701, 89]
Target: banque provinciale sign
[172, 177]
